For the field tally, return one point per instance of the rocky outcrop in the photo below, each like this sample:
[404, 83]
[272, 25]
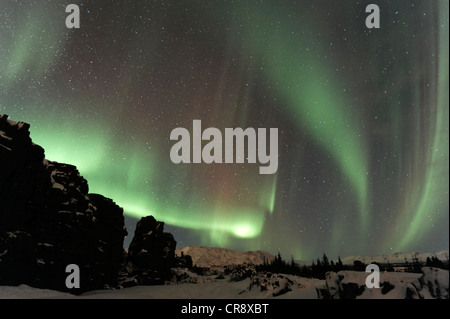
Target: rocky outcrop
[333, 285]
[273, 284]
[183, 261]
[151, 253]
[48, 220]
[431, 284]
[434, 282]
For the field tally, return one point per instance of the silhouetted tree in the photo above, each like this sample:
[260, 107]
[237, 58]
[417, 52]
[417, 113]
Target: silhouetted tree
[339, 265]
[435, 262]
[293, 264]
[325, 262]
[317, 269]
[389, 267]
[358, 265]
[416, 264]
[278, 265]
[408, 267]
[305, 271]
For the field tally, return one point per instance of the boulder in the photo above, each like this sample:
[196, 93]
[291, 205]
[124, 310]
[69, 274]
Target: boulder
[434, 282]
[333, 285]
[152, 251]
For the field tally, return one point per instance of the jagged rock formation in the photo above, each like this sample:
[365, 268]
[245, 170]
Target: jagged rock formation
[48, 220]
[273, 284]
[333, 285]
[431, 284]
[151, 253]
[183, 261]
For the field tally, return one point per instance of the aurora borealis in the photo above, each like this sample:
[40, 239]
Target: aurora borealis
[362, 115]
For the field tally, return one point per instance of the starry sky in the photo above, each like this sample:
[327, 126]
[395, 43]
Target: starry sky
[362, 115]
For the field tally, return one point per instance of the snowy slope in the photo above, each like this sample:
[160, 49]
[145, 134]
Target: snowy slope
[432, 283]
[27, 292]
[220, 289]
[294, 288]
[207, 256]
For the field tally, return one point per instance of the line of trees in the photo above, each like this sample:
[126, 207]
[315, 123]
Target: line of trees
[319, 267]
[436, 262]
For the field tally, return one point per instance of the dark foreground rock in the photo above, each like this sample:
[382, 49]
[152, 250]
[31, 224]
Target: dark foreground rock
[432, 283]
[151, 253]
[48, 220]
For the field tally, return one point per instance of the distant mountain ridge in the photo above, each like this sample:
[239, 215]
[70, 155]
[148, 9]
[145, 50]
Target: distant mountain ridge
[396, 257]
[214, 256]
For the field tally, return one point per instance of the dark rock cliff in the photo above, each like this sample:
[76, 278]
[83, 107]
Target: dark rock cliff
[49, 220]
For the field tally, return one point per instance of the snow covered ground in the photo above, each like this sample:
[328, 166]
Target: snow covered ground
[209, 290]
[294, 287]
[222, 281]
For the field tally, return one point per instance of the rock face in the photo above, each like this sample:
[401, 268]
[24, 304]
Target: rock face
[333, 285]
[48, 220]
[435, 283]
[183, 261]
[431, 284]
[151, 253]
[273, 284]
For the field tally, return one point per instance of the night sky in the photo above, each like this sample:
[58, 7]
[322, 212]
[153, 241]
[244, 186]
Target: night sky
[362, 115]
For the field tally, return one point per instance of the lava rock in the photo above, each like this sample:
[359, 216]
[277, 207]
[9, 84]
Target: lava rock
[48, 219]
[183, 261]
[333, 284]
[434, 282]
[152, 251]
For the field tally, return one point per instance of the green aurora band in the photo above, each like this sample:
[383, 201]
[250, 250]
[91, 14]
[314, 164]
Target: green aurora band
[316, 102]
[127, 159]
[426, 201]
[86, 143]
